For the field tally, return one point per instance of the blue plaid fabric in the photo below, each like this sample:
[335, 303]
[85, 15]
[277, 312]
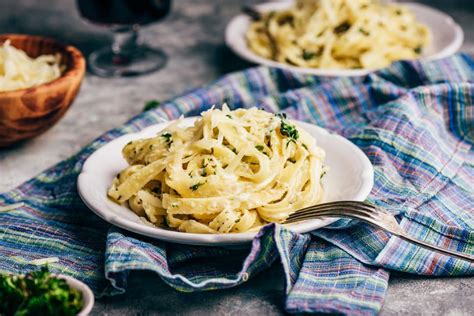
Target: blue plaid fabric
[415, 122]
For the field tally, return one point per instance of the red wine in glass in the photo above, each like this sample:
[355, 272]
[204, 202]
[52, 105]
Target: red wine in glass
[127, 56]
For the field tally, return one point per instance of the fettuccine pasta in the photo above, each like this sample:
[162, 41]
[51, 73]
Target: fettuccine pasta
[233, 171]
[339, 34]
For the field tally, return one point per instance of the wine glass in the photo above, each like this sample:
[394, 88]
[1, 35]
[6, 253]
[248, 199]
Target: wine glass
[128, 55]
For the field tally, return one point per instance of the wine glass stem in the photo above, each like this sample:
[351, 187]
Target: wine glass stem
[125, 44]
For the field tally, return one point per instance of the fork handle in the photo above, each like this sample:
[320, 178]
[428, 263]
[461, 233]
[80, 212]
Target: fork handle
[442, 250]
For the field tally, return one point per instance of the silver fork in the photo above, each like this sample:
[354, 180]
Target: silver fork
[370, 214]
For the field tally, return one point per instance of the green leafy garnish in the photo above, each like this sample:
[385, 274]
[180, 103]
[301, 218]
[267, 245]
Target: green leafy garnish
[417, 50]
[281, 116]
[151, 104]
[38, 293]
[308, 55]
[168, 138]
[366, 33]
[322, 174]
[259, 147]
[287, 129]
[196, 186]
[342, 28]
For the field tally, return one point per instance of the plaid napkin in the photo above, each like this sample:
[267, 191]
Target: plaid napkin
[415, 121]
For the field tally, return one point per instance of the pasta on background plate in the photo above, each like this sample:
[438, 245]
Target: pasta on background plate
[339, 34]
[233, 171]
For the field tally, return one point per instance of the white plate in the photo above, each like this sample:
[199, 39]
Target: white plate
[350, 178]
[447, 39]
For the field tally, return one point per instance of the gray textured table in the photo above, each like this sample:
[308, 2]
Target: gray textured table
[193, 38]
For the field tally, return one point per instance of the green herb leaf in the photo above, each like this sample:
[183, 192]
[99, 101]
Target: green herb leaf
[342, 28]
[196, 186]
[308, 55]
[151, 104]
[168, 138]
[281, 116]
[366, 33]
[259, 147]
[38, 293]
[289, 130]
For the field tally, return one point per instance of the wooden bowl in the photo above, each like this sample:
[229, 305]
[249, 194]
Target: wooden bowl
[27, 113]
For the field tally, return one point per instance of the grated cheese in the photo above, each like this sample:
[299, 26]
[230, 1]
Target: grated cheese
[19, 71]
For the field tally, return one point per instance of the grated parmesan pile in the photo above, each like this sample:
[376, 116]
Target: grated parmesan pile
[19, 71]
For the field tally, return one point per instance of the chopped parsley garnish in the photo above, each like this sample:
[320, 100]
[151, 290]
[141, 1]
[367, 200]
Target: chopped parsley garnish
[288, 130]
[196, 186]
[149, 105]
[38, 293]
[322, 174]
[342, 28]
[259, 147]
[417, 50]
[281, 116]
[168, 138]
[305, 147]
[204, 165]
[366, 33]
[228, 115]
[308, 55]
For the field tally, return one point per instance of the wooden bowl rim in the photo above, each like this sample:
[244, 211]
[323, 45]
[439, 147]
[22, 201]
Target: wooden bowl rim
[76, 70]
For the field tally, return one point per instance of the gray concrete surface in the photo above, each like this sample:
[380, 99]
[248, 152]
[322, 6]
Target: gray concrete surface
[193, 38]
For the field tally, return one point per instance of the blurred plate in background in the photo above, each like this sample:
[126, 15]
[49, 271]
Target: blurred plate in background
[447, 38]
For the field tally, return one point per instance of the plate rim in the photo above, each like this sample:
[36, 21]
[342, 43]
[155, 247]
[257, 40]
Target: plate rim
[246, 54]
[367, 175]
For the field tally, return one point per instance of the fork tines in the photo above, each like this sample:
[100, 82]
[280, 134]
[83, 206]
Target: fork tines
[359, 209]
